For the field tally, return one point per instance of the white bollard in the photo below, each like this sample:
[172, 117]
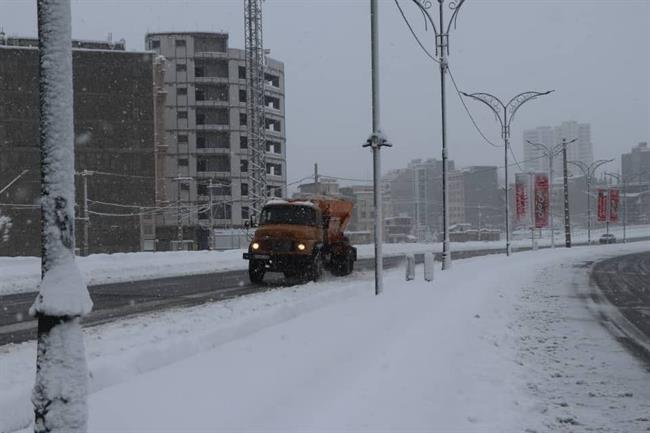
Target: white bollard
[428, 266]
[410, 267]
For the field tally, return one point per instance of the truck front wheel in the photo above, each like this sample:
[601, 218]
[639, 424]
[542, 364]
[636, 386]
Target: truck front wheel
[256, 271]
[316, 268]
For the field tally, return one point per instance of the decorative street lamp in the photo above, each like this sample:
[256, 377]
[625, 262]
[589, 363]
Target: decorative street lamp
[505, 113]
[588, 171]
[550, 152]
[442, 51]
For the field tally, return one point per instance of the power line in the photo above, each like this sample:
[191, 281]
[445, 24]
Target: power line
[468, 112]
[415, 35]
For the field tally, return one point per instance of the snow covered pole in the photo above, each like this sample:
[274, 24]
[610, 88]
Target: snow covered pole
[59, 394]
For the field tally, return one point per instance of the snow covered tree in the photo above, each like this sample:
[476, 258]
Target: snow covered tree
[60, 391]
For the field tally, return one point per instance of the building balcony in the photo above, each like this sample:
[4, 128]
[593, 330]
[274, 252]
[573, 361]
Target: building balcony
[224, 80]
[211, 103]
[212, 127]
[211, 55]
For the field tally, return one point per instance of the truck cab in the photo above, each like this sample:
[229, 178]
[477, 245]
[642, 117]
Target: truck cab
[300, 238]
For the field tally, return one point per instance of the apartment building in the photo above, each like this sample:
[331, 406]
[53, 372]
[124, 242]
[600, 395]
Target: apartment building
[206, 132]
[115, 151]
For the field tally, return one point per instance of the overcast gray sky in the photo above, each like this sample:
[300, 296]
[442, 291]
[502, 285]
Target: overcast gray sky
[594, 53]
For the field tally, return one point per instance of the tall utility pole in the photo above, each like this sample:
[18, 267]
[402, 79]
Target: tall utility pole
[179, 216]
[376, 141]
[61, 386]
[211, 237]
[567, 220]
[86, 217]
[504, 114]
[550, 152]
[442, 51]
[588, 171]
[255, 112]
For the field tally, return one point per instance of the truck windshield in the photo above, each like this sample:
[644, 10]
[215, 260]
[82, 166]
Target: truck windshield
[288, 214]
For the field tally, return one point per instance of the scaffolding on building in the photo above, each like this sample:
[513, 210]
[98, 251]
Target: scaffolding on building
[254, 51]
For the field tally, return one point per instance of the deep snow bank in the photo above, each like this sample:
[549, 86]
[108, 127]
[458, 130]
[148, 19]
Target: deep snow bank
[495, 344]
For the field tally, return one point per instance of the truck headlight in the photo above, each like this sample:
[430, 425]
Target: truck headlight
[301, 246]
[255, 246]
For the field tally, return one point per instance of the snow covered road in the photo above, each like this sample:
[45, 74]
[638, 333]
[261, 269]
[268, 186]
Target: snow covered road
[496, 344]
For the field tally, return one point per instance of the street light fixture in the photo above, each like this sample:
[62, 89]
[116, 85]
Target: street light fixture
[588, 171]
[505, 113]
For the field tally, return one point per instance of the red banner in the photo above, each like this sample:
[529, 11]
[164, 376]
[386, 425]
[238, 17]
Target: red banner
[541, 200]
[602, 205]
[521, 196]
[614, 198]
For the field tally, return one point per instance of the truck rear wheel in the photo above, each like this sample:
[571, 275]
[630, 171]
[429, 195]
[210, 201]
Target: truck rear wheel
[256, 271]
[343, 265]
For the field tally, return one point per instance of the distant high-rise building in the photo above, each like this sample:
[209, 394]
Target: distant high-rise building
[635, 165]
[534, 159]
[416, 191]
[483, 200]
[580, 150]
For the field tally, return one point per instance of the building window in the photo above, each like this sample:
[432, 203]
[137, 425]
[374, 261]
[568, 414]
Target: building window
[242, 95]
[274, 169]
[243, 119]
[243, 142]
[242, 72]
[273, 125]
[272, 102]
[183, 162]
[244, 189]
[181, 91]
[212, 140]
[180, 42]
[243, 166]
[244, 213]
[153, 44]
[181, 139]
[199, 95]
[213, 163]
[274, 147]
[181, 67]
[182, 114]
[200, 119]
[272, 80]
[185, 186]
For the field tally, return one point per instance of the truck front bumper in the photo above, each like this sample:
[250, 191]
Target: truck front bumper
[280, 262]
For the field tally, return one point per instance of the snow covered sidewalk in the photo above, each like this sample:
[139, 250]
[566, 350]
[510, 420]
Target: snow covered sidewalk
[496, 344]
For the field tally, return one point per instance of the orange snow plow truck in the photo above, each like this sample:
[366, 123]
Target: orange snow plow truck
[301, 237]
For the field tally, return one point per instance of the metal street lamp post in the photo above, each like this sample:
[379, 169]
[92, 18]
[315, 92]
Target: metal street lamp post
[376, 141]
[442, 51]
[588, 171]
[623, 180]
[505, 113]
[550, 152]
